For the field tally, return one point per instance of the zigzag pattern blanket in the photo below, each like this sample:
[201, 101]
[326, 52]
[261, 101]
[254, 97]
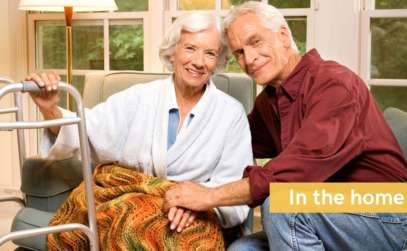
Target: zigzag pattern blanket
[130, 217]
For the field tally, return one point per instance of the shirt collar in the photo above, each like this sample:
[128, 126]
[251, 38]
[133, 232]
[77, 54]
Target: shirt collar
[292, 84]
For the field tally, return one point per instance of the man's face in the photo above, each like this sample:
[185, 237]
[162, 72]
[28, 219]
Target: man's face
[195, 57]
[260, 52]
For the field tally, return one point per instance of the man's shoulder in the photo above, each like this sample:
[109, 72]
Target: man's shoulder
[332, 72]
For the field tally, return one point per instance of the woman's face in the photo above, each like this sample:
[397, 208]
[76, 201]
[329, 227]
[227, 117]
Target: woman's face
[195, 57]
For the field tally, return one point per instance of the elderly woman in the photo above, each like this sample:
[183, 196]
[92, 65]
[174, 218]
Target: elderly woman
[176, 129]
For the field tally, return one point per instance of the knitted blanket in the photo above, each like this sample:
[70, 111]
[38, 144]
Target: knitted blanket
[130, 217]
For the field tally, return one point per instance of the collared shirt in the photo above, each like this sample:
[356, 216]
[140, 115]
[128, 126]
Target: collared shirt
[321, 125]
[173, 125]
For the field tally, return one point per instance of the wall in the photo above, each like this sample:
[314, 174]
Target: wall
[13, 64]
[337, 26]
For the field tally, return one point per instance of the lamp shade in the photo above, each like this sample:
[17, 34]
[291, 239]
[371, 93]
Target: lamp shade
[77, 5]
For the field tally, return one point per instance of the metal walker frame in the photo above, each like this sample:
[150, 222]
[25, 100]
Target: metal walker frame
[28, 86]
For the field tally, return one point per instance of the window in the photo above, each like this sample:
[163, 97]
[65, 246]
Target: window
[100, 41]
[384, 64]
[128, 39]
[297, 12]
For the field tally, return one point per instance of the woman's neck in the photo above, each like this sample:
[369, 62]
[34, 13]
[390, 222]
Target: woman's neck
[187, 97]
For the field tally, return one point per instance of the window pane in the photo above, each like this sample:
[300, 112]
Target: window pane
[226, 4]
[78, 82]
[391, 4]
[290, 4]
[132, 5]
[233, 66]
[394, 96]
[50, 45]
[389, 50]
[298, 26]
[196, 4]
[87, 45]
[126, 45]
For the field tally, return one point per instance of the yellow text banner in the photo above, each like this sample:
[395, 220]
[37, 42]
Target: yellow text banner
[338, 197]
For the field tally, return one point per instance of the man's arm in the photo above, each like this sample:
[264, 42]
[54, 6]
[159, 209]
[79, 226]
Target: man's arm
[235, 193]
[199, 198]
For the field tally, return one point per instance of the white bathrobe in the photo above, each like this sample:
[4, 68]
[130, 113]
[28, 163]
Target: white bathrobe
[131, 128]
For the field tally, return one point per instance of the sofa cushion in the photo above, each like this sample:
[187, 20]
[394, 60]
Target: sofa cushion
[100, 85]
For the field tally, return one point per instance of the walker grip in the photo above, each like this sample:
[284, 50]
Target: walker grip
[30, 86]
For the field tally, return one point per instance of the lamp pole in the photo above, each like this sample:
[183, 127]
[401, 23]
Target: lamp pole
[68, 11]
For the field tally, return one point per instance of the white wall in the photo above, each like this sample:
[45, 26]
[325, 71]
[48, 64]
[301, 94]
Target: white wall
[13, 64]
[337, 25]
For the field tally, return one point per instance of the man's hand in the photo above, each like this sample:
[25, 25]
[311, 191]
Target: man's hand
[188, 195]
[180, 218]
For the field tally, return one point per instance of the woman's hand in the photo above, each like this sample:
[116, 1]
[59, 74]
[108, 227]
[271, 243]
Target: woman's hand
[180, 218]
[48, 99]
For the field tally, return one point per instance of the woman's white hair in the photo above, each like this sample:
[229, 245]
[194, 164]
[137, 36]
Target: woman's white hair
[192, 22]
[271, 17]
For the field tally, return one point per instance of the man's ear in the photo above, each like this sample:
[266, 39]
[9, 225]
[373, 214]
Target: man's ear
[285, 36]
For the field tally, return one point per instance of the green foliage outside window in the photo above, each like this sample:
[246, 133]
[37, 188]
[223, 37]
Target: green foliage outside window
[389, 50]
[226, 4]
[390, 4]
[51, 49]
[126, 47]
[290, 3]
[390, 96]
[132, 5]
[86, 46]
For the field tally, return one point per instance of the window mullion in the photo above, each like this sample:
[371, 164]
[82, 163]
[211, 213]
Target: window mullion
[218, 5]
[106, 47]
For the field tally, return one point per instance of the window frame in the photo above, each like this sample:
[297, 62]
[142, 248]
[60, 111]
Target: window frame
[154, 29]
[309, 13]
[104, 18]
[369, 12]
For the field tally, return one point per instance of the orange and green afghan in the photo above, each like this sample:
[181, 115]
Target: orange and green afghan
[130, 217]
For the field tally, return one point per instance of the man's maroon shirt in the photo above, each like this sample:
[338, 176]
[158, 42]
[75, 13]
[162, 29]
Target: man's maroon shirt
[321, 125]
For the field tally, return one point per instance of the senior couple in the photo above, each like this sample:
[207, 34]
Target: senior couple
[192, 146]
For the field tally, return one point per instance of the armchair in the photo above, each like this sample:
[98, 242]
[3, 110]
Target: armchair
[43, 200]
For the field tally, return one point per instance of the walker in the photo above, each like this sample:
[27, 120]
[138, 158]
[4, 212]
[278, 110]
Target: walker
[19, 125]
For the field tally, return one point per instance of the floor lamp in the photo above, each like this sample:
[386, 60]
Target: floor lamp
[68, 7]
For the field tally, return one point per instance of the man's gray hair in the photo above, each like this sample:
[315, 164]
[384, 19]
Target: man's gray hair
[192, 22]
[271, 17]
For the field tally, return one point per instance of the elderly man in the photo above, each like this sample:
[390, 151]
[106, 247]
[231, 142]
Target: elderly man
[319, 123]
[179, 128]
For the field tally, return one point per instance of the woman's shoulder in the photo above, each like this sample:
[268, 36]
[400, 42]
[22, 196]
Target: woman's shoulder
[228, 102]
